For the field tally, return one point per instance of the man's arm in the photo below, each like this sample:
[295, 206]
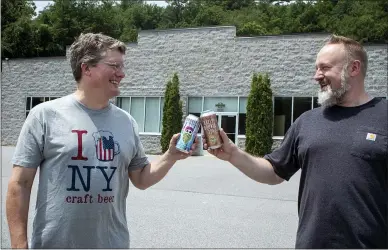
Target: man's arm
[17, 204]
[152, 173]
[258, 169]
[157, 170]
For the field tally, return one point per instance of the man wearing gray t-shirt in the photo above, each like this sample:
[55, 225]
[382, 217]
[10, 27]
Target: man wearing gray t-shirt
[85, 148]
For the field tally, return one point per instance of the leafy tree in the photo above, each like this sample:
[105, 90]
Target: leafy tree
[142, 16]
[259, 116]
[172, 112]
[251, 29]
[174, 10]
[17, 30]
[129, 34]
[13, 10]
[125, 4]
[212, 15]
[57, 25]
[230, 4]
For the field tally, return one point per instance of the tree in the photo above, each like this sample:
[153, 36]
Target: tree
[230, 4]
[212, 15]
[125, 4]
[17, 31]
[259, 116]
[23, 35]
[251, 29]
[172, 112]
[13, 10]
[174, 10]
[19, 39]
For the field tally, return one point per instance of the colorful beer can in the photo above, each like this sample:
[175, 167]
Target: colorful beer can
[188, 133]
[210, 129]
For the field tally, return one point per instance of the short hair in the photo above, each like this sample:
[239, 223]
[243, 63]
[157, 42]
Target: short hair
[353, 49]
[90, 48]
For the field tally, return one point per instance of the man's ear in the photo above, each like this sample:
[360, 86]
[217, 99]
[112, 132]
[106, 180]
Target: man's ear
[85, 69]
[355, 68]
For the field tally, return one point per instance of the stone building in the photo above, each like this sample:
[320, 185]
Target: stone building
[215, 69]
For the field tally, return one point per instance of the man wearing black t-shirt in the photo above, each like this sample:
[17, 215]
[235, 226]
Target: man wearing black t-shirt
[341, 149]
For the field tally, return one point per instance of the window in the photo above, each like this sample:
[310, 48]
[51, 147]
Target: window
[220, 104]
[282, 115]
[152, 108]
[288, 109]
[301, 105]
[242, 115]
[316, 105]
[147, 112]
[195, 105]
[137, 111]
[195, 108]
[33, 101]
[161, 113]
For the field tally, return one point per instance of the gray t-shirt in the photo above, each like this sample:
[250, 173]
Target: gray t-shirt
[84, 157]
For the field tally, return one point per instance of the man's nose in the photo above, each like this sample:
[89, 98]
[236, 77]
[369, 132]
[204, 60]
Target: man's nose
[120, 73]
[318, 76]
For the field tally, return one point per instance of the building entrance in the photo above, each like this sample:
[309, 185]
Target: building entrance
[228, 121]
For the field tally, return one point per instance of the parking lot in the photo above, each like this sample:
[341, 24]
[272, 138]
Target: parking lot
[203, 202]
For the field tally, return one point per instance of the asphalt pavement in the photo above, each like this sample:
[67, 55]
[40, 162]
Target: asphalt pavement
[203, 202]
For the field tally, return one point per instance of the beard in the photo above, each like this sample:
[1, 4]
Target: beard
[328, 97]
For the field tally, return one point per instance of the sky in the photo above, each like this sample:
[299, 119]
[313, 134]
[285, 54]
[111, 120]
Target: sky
[41, 4]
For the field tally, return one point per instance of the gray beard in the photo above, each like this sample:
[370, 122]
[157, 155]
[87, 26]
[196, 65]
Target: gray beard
[329, 97]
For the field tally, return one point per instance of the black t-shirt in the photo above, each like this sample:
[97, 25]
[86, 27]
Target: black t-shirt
[343, 192]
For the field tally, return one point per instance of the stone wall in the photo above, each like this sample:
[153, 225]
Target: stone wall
[151, 143]
[210, 61]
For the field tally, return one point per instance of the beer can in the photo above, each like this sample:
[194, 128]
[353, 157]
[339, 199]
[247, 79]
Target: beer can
[188, 133]
[210, 128]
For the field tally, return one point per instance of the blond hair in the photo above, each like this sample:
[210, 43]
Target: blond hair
[353, 49]
[90, 48]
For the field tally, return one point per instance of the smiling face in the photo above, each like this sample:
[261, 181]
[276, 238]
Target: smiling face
[332, 74]
[97, 64]
[105, 77]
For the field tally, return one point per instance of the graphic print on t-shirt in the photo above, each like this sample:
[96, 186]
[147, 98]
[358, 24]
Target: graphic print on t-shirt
[105, 148]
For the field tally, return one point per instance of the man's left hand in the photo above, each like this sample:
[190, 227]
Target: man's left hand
[175, 153]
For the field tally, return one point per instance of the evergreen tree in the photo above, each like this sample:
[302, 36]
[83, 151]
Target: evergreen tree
[250, 118]
[55, 27]
[259, 116]
[172, 112]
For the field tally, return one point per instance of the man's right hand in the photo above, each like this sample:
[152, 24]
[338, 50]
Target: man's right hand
[225, 151]
[256, 168]
[17, 204]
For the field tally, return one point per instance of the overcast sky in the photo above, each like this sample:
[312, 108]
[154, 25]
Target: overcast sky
[41, 4]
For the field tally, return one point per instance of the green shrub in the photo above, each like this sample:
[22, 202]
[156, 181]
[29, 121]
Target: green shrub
[172, 112]
[259, 121]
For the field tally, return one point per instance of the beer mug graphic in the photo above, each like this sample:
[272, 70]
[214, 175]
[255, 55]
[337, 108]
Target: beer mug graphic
[106, 147]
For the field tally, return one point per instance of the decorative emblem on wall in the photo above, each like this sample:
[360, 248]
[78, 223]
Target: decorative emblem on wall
[220, 106]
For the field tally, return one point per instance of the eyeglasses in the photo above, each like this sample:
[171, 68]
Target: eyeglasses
[115, 66]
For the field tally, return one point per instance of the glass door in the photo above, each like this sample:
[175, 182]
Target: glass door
[228, 123]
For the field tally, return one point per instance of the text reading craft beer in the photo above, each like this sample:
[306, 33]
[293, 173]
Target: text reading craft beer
[105, 148]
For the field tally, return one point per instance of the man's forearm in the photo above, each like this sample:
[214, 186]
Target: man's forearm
[18, 200]
[258, 169]
[155, 171]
